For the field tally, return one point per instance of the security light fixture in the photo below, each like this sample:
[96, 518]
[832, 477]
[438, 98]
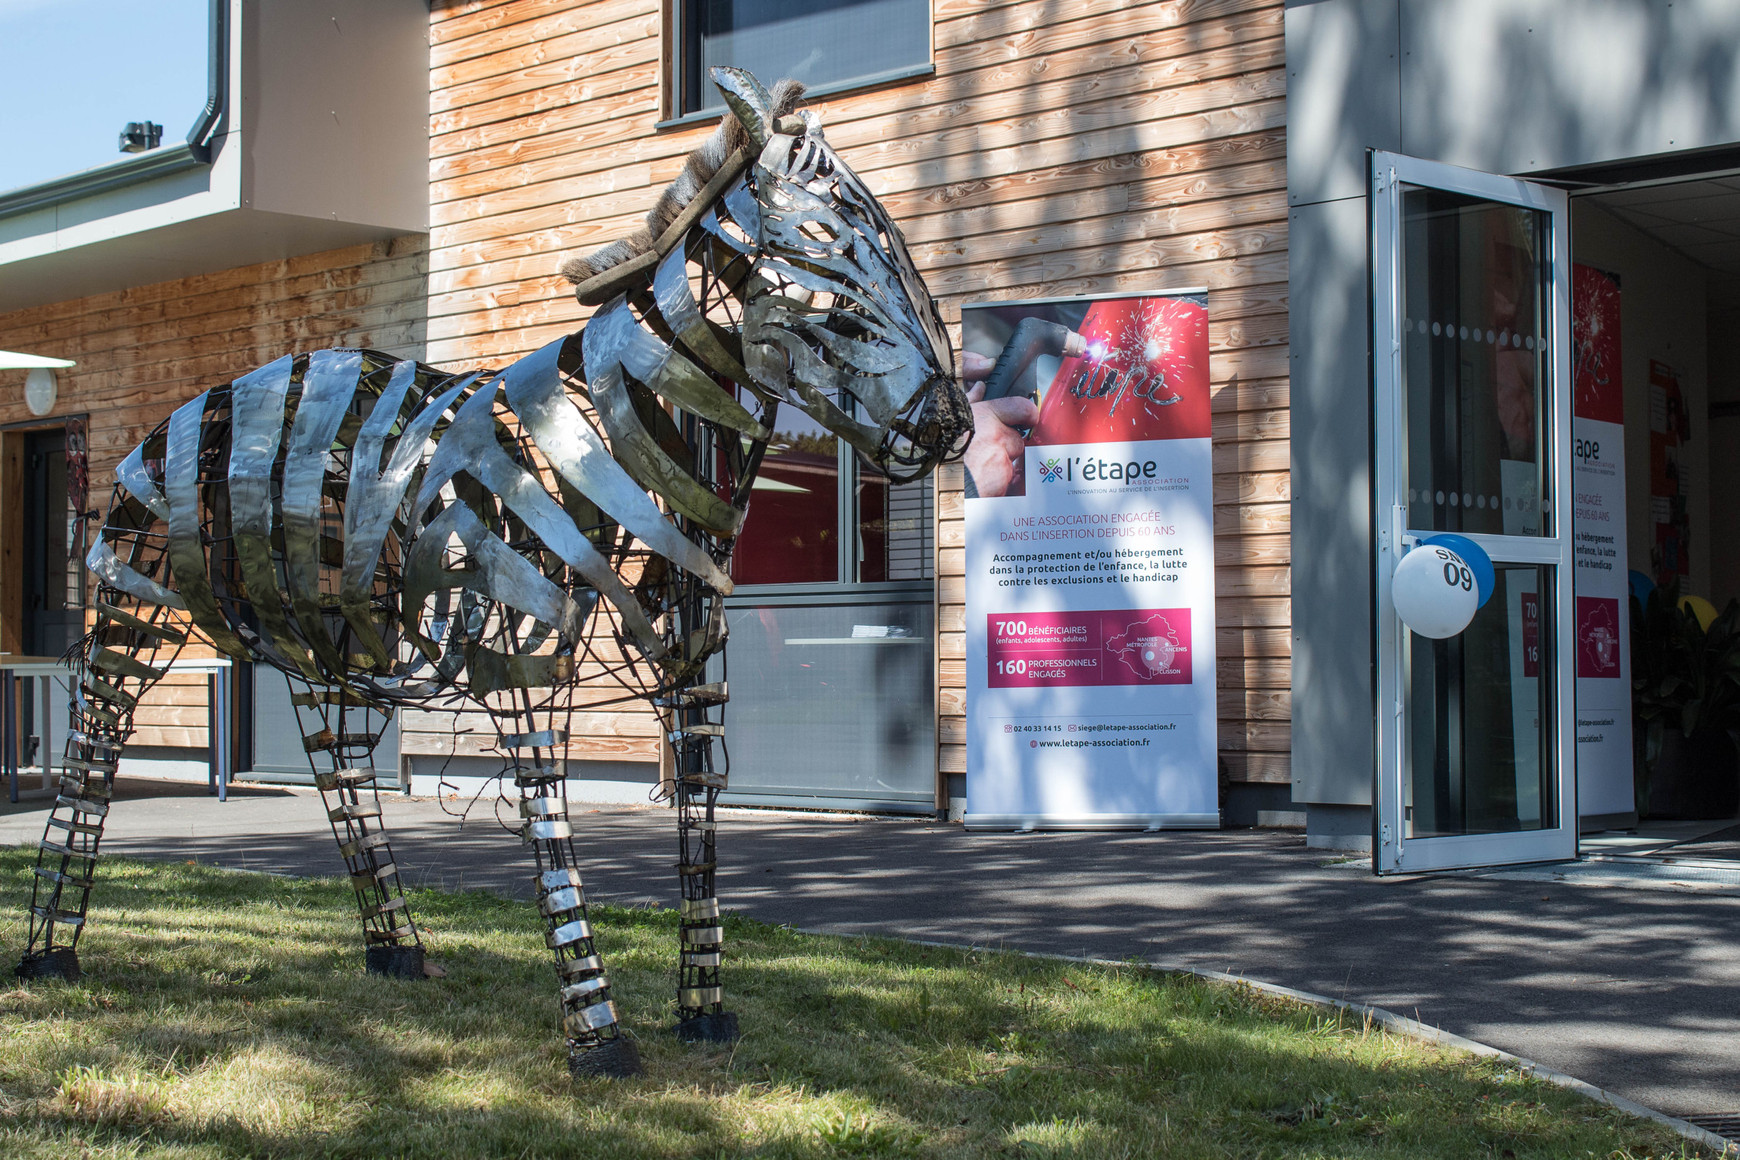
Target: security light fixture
[139, 136]
[40, 390]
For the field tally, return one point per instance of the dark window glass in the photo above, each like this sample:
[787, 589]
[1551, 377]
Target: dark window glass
[1480, 761]
[792, 532]
[1475, 343]
[819, 42]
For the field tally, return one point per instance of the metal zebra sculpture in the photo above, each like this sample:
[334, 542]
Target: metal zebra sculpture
[387, 534]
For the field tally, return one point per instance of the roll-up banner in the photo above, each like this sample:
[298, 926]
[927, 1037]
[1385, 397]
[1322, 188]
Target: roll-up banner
[1090, 564]
[1604, 753]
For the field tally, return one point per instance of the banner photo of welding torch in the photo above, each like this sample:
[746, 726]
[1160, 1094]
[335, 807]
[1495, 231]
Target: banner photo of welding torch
[1090, 564]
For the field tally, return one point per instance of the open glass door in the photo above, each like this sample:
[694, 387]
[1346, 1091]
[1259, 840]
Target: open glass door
[1471, 404]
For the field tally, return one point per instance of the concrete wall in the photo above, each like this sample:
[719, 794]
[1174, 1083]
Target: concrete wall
[1508, 86]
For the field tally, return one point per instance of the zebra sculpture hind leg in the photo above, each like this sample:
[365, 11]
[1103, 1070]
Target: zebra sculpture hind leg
[114, 677]
[350, 795]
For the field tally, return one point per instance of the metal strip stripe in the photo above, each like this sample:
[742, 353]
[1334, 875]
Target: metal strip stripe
[556, 879]
[574, 448]
[328, 386]
[186, 544]
[676, 301]
[699, 909]
[559, 901]
[498, 572]
[256, 430]
[592, 1018]
[569, 932]
[605, 340]
[470, 445]
[374, 495]
[108, 568]
[574, 992]
[131, 474]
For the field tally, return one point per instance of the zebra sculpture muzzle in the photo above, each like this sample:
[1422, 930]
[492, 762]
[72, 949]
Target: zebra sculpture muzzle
[551, 537]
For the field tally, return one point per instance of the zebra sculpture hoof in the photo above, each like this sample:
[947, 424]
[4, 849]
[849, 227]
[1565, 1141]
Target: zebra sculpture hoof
[58, 963]
[615, 1058]
[396, 962]
[713, 1027]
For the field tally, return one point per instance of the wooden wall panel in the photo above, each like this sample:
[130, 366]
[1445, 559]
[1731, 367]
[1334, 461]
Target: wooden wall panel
[1057, 150]
[144, 351]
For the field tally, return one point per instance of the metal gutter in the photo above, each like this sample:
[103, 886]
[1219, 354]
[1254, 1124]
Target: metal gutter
[217, 89]
[196, 152]
[138, 167]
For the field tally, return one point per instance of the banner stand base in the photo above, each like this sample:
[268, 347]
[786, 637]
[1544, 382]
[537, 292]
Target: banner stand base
[1091, 821]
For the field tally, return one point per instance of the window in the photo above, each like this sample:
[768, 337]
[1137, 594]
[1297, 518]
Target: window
[796, 510]
[829, 45]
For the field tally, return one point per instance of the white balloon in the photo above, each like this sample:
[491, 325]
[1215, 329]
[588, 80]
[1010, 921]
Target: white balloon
[1434, 592]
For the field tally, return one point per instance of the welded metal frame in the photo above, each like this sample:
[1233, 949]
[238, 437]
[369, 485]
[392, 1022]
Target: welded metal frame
[389, 535]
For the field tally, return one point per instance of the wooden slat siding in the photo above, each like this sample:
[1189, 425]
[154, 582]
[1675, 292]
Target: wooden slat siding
[1170, 61]
[1171, 32]
[143, 351]
[1056, 151]
[1220, 87]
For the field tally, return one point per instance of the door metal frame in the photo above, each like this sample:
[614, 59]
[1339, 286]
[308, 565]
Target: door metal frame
[1392, 850]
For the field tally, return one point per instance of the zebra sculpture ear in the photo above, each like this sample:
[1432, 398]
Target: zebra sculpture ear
[751, 104]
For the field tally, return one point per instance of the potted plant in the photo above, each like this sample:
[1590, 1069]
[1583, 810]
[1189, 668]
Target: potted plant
[1685, 707]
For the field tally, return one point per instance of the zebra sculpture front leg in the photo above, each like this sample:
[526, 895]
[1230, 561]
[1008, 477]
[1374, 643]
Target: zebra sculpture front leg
[596, 1044]
[701, 1014]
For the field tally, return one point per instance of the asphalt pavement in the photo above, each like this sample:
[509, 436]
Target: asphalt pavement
[1627, 977]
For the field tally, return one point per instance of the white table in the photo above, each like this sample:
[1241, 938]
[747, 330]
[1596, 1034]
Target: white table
[218, 670]
[45, 670]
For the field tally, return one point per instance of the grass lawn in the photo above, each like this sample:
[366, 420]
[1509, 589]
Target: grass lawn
[227, 1015]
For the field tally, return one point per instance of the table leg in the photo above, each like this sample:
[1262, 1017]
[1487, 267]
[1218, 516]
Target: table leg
[9, 731]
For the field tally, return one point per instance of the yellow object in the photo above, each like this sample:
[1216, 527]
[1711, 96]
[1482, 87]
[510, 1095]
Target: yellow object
[1700, 608]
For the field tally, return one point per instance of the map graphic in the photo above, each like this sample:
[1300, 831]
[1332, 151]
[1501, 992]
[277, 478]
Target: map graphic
[1149, 647]
[1597, 637]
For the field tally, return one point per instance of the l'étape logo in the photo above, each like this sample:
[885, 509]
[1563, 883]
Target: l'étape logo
[1093, 469]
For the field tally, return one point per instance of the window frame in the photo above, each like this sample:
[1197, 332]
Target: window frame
[671, 72]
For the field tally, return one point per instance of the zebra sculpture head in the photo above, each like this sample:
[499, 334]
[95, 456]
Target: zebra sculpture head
[796, 257]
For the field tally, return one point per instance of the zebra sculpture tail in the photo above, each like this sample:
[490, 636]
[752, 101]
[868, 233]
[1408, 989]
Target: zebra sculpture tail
[111, 677]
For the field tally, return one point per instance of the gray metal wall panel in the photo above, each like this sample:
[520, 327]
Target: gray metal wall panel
[1343, 94]
[1331, 480]
[1518, 86]
[334, 107]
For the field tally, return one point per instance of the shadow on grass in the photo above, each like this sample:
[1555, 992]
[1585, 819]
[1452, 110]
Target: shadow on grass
[227, 1014]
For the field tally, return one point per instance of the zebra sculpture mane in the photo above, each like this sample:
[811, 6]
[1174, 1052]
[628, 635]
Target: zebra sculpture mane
[388, 535]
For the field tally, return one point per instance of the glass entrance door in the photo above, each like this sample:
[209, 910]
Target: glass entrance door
[1471, 404]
